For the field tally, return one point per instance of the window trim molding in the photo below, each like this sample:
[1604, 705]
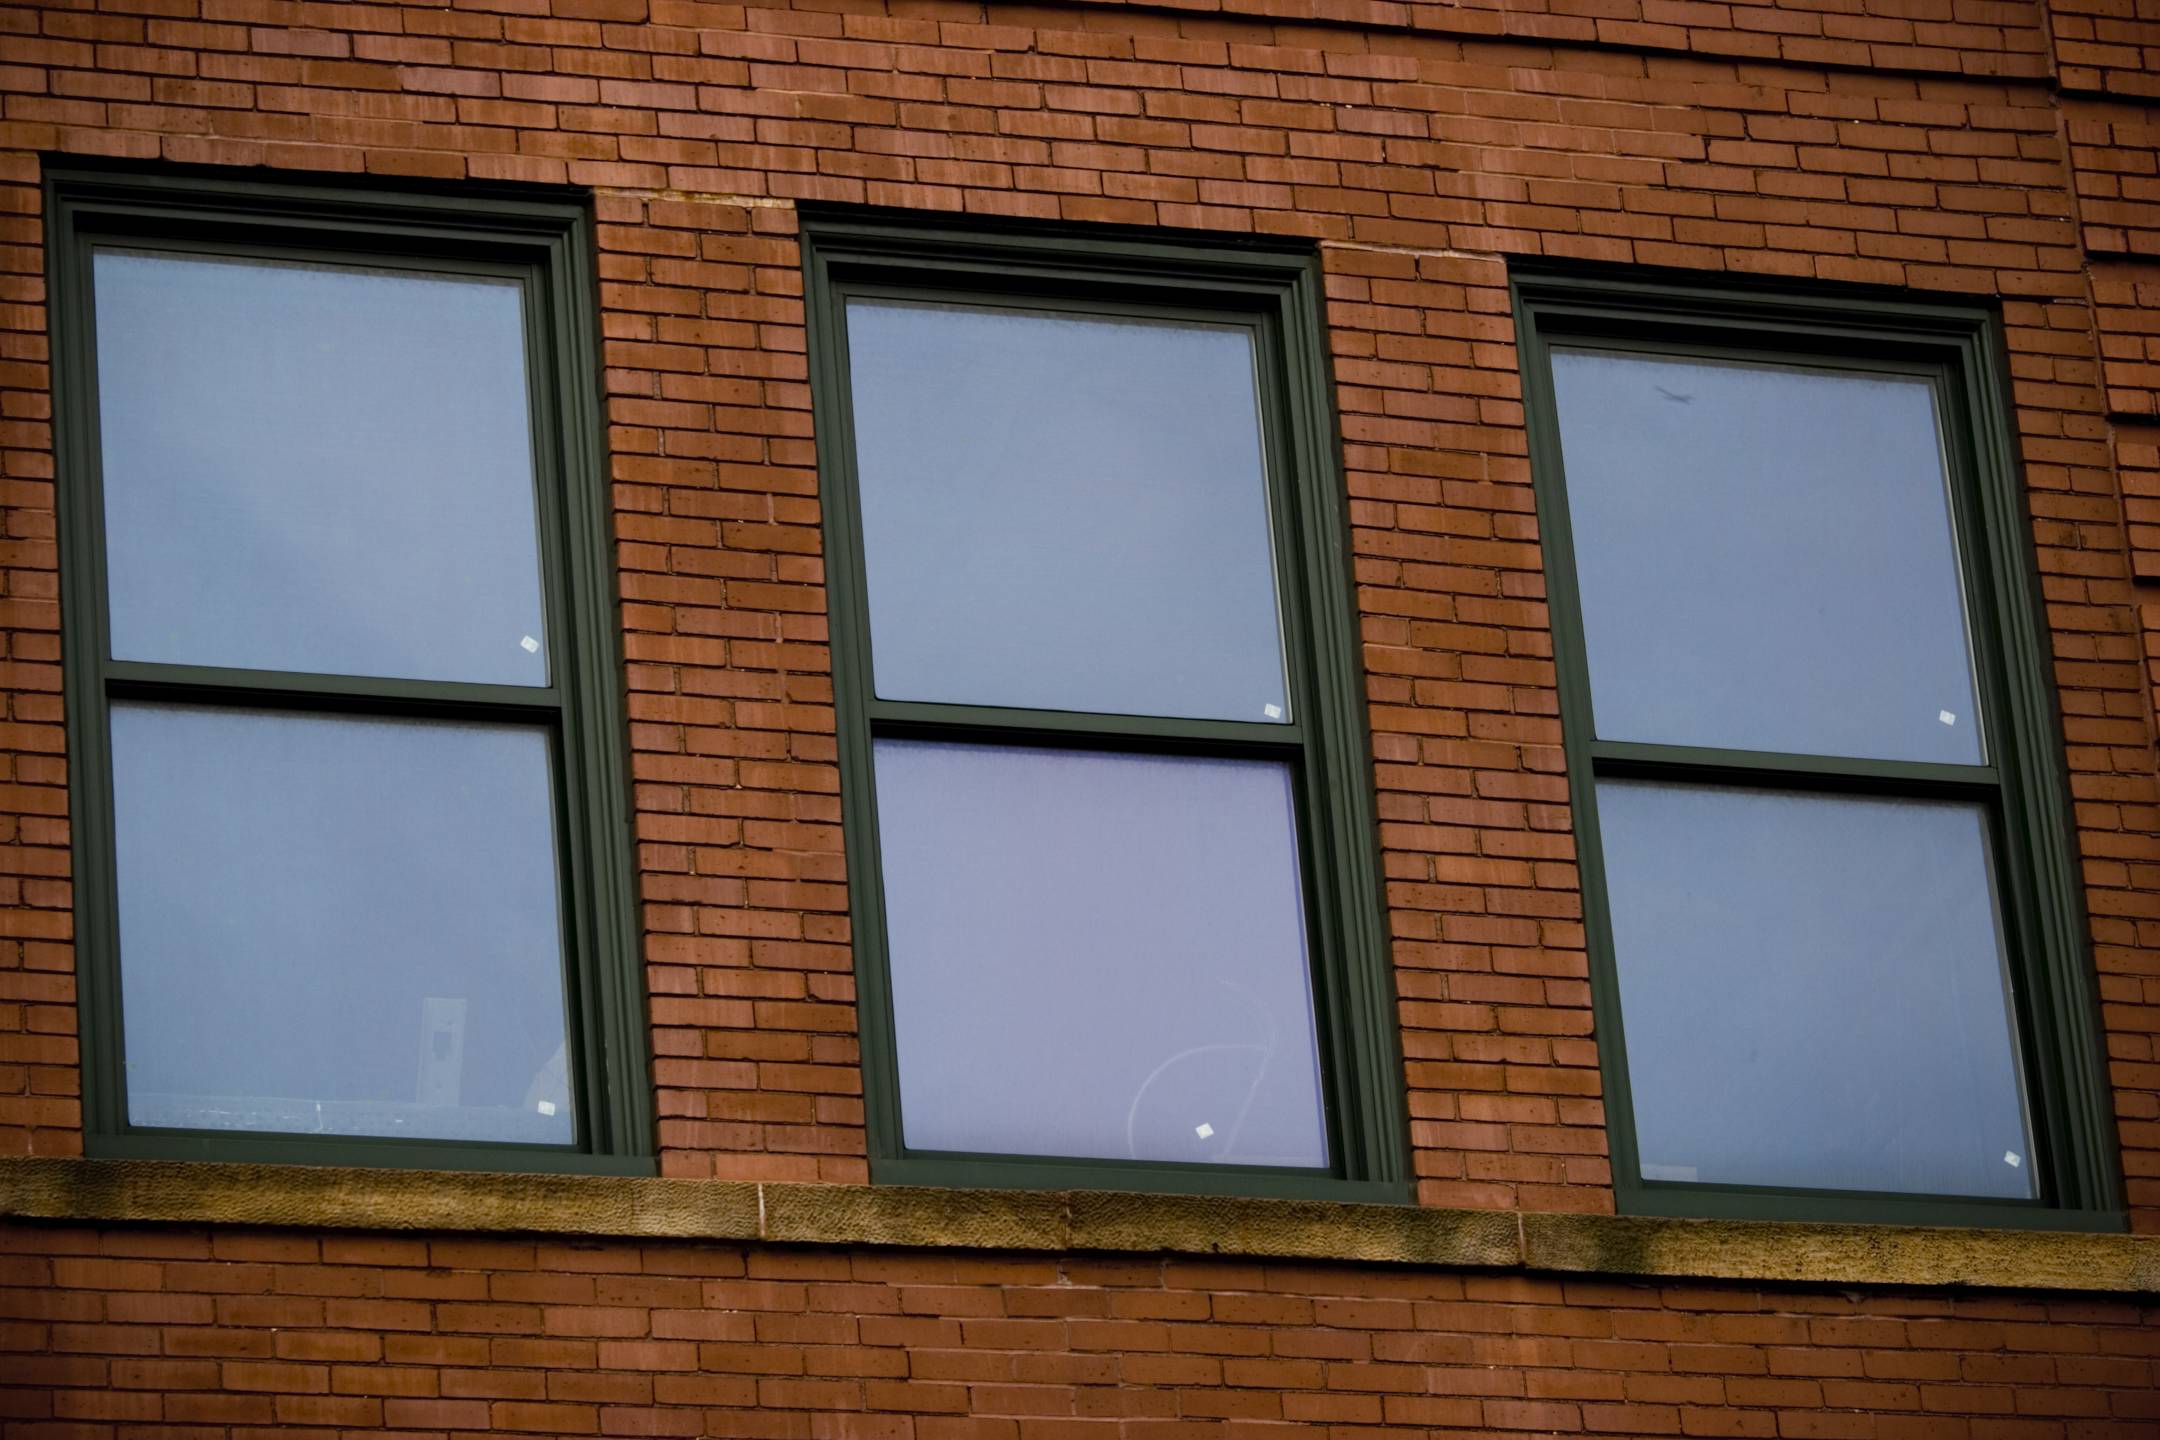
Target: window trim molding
[546, 236]
[2068, 1094]
[1278, 287]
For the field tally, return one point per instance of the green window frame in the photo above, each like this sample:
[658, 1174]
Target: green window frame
[2022, 785]
[1275, 290]
[541, 239]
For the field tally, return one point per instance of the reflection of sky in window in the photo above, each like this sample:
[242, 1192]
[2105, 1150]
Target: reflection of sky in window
[354, 911]
[1813, 990]
[1098, 954]
[1064, 512]
[1765, 557]
[317, 468]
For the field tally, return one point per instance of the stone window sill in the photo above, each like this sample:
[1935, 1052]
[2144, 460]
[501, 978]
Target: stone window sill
[173, 1192]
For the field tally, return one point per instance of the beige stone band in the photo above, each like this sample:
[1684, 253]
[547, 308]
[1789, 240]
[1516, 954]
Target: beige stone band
[148, 1191]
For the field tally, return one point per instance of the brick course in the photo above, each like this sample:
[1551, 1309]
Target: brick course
[1960, 147]
[182, 1332]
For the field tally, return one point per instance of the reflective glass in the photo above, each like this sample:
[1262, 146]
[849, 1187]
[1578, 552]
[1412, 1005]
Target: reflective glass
[339, 925]
[1813, 990]
[1098, 955]
[1766, 558]
[1064, 512]
[317, 468]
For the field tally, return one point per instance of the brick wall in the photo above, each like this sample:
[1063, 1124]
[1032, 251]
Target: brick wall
[1955, 146]
[178, 1332]
[1419, 160]
[2107, 46]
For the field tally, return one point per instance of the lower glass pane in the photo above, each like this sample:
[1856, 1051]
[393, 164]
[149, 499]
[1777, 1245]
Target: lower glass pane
[1814, 991]
[1098, 955]
[339, 925]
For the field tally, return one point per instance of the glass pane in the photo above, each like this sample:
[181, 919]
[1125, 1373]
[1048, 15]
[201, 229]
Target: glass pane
[1098, 955]
[317, 468]
[1813, 991]
[1766, 558]
[1064, 513]
[333, 925]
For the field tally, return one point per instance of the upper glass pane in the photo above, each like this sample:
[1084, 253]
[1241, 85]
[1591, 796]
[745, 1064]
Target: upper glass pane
[1814, 991]
[1766, 558]
[1098, 955]
[317, 468]
[1064, 512]
[336, 925]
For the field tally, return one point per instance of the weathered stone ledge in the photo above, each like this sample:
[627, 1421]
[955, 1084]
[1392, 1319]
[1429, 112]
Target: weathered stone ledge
[170, 1192]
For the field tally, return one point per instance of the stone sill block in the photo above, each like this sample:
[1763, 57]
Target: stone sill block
[306, 1197]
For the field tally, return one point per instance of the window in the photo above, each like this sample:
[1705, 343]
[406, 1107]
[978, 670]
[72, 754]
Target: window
[351, 865]
[1836, 946]
[1107, 802]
